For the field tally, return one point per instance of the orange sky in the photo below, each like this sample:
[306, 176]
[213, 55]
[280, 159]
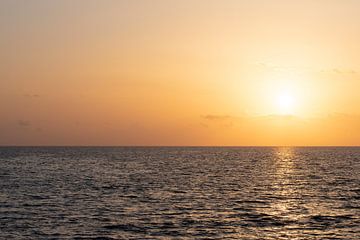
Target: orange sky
[259, 72]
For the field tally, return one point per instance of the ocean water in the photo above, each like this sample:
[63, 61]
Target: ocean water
[179, 193]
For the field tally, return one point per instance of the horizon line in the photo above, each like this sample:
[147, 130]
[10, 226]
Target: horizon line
[179, 146]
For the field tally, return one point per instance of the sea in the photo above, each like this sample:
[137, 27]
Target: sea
[180, 193]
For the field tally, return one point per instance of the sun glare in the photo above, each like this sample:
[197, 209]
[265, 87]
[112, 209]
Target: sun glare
[285, 93]
[285, 103]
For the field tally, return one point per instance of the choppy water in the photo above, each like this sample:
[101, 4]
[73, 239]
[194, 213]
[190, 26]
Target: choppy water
[180, 193]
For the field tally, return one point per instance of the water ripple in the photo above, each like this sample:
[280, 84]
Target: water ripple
[179, 193]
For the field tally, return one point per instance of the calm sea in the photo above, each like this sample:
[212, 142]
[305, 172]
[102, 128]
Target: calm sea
[179, 193]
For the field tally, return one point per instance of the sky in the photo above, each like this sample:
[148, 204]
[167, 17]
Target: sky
[180, 72]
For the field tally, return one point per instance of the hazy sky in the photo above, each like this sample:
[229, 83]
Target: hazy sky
[199, 72]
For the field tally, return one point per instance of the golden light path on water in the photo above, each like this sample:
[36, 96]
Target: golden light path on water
[284, 185]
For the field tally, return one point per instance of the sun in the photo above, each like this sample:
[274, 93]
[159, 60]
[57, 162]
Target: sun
[285, 102]
[281, 96]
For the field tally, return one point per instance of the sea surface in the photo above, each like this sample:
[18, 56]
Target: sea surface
[179, 193]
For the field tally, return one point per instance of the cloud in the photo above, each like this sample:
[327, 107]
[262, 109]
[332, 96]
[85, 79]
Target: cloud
[220, 120]
[339, 71]
[218, 117]
[344, 71]
[331, 70]
[31, 95]
[24, 123]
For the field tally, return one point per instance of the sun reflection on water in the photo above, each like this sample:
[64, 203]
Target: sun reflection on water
[286, 202]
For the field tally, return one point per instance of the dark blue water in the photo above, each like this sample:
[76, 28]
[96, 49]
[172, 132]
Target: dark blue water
[180, 193]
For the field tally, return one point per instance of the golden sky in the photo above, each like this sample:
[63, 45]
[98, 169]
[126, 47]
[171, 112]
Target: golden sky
[180, 72]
